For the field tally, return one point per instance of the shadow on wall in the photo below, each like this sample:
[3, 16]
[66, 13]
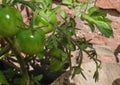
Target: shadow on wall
[116, 52]
[116, 82]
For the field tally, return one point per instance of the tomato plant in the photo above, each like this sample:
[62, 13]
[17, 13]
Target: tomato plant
[42, 50]
[10, 21]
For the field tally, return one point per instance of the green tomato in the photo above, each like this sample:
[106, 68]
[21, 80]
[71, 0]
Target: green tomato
[10, 21]
[46, 19]
[30, 42]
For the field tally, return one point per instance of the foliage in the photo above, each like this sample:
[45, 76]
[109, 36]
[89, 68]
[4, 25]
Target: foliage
[46, 44]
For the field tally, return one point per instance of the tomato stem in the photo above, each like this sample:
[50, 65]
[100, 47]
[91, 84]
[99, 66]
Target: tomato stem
[33, 19]
[5, 50]
[21, 62]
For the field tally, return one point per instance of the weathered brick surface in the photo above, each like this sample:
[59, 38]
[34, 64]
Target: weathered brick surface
[109, 4]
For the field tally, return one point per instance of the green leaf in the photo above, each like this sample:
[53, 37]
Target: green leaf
[102, 23]
[77, 70]
[63, 15]
[67, 2]
[71, 47]
[41, 54]
[39, 18]
[85, 6]
[77, 3]
[97, 13]
[104, 28]
[44, 4]
[73, 22]
[58, 58]
[3, 80]
[55, 64]
[50, 44]
[100, 18]
[84, 46]
[77, 12]
[96, 75]
[92, 27]
[38, 77]
[48, 3]
[70, 32]
[58, 54]
[56, 10]
[92, 10]
[87, 18]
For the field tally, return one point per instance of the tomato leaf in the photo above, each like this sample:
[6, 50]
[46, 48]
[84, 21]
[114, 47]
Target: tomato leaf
[44, 4]
[73, 23]
[56, 10]
[95, 17]
[100, 18]
[84, 46]
[41, 54]
[63, 15]
[38, 77]
[105, 28]
[97, 14]
[58, 59]
[85, 6]
[77, 70]
[92, 27]
[92, 10]
[96, 75]
[55, 64]
[67, 2]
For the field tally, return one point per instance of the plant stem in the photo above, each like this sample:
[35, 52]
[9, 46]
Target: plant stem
[25, 76]
[5, 50]
[22, 66]
[33, 19]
